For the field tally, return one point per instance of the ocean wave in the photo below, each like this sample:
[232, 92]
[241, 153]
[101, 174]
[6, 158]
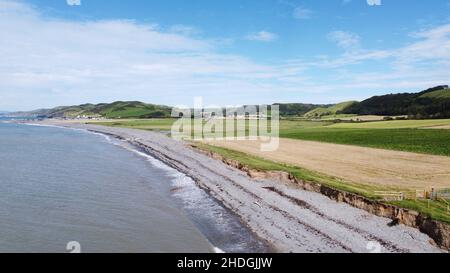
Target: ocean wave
[194, 200]
[106, 137]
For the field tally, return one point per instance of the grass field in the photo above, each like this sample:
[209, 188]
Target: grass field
[143, 124]
[399, 135]
[356, 118]
[394, 124]
[434, 142]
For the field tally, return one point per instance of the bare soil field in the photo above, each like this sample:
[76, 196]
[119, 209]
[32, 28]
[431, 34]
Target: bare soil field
[356, 164]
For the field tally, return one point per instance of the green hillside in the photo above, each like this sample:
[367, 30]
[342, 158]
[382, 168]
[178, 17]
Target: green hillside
[431, 103]
[439, 94]
[297, 109]
[132, 110]
[331, 110]
[428, 104]
[119, 109]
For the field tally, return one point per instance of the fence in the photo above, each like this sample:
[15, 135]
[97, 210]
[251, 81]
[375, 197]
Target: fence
[447, 203]
[433, 194]
[421, 194]
[391, 195]
[440, 193]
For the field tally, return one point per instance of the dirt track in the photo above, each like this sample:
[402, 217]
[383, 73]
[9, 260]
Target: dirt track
[439, 127]
[356, 164]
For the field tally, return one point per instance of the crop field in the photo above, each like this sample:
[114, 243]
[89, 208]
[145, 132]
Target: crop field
[358, 164]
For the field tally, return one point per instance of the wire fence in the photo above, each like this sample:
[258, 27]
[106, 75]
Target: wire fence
[433, 194]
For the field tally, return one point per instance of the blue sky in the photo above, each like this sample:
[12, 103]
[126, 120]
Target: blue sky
[228, 52]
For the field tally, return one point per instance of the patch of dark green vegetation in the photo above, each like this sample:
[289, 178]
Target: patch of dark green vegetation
[298, 109]
[431, 103]
[119, 109]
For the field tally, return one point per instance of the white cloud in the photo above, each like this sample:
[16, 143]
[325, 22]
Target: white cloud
[434, 45]
[262, 36]
[345, 40]
[374, 2]
[184, 30]
[47, 62]
[73, 2]
[302, 13]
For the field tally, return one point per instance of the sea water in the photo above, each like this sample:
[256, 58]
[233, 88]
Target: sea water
[65, 190]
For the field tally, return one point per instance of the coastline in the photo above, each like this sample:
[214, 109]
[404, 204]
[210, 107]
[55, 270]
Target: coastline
[317, 224]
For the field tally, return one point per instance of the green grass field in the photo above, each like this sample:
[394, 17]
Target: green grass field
[143, 124]
[435, 142]
[394, 124]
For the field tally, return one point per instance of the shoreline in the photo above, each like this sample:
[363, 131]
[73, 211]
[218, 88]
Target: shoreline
[253, 244]
[317, 224]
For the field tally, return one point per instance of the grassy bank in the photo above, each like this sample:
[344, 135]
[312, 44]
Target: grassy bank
[435, 210]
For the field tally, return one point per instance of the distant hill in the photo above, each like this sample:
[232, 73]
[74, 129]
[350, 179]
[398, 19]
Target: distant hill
[331, 110]
[135, 109]
[119, 109]
[431, 103]
[298, 109]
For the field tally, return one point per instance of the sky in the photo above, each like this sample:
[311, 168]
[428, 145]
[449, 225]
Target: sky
[229, 52]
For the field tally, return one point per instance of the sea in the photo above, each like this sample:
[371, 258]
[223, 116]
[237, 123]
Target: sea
[65, 190]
